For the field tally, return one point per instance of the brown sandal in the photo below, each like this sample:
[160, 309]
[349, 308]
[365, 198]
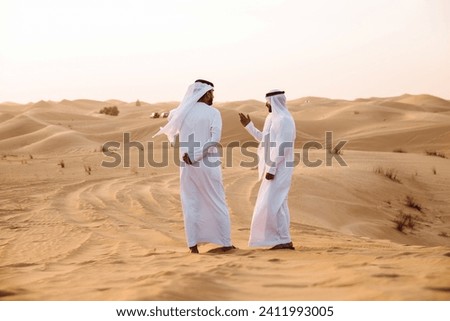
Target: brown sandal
[194, 249]
[285, 246]
[222, 249]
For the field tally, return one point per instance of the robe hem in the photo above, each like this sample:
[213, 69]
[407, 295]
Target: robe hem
[203, 242]
[263, 243]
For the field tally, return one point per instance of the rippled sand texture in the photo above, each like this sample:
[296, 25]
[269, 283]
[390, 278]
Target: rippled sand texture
[70, 233]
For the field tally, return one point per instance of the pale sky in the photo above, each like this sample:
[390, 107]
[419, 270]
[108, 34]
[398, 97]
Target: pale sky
[152, 50]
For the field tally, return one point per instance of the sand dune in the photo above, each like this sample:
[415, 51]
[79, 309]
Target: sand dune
[86, 232]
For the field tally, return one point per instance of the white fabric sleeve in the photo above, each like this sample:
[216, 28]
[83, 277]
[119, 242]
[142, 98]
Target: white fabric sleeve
[277, 160]
[255, 132]
[283, 139]
[214, 140]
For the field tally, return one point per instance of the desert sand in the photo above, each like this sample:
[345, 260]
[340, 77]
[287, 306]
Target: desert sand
[80, 231]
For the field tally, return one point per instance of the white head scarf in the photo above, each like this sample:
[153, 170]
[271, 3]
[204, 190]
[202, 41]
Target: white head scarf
[280, 113]
[277, 100]
[177, 115]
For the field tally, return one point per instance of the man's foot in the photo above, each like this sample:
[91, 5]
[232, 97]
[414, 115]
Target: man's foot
[285, 246]
[227, 248]
[222, 249]
[194, 249]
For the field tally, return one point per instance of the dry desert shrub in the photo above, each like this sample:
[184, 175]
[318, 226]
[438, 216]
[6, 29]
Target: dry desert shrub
[389, 173]
[112, 111]
[435, 153]
[335, 151]
[87, 169]
[399, 150]
[412, 203]
[403, 220]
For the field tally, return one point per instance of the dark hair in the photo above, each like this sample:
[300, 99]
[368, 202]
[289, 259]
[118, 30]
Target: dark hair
[205, 82]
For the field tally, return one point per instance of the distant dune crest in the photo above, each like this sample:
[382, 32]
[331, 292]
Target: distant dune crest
[377, 124]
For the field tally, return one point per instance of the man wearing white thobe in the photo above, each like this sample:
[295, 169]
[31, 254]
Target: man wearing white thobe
[199, 126]
[271, 218]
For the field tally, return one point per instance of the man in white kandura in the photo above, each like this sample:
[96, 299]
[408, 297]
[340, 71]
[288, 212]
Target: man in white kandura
[199, 126]
[271, 219]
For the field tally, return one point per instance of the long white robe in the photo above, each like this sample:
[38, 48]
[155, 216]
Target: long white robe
[271, 217]
[206, 217]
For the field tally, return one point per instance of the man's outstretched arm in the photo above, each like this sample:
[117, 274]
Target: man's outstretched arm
[248, 124]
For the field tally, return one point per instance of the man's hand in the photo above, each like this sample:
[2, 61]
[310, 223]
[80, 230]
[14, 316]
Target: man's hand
[269, 176]
[245, 120]
[186, 159]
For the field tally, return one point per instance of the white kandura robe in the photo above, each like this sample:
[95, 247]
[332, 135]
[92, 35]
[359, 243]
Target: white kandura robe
[206, 217]
[271, 217]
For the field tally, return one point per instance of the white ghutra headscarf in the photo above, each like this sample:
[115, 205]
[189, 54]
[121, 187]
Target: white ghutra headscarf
[277, 100]
[177, 115]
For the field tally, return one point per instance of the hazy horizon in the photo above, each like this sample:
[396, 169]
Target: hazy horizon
[260, 99]
[151, 51]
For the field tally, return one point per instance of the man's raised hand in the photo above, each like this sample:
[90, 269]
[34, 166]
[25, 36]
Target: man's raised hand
[245, 120]
[186, 159]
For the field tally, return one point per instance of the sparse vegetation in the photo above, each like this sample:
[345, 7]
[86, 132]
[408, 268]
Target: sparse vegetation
[443, 234]
[61, 163]
[399, 150]
[334, 151]
[356, 112]
[138, 103]
[389, 173]
[112, 111]
[105, 149]
[412, 203]
[403, 220]
[87, 169]
[435, 153]
[23, 159]
[434, 171]
[9, 155]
